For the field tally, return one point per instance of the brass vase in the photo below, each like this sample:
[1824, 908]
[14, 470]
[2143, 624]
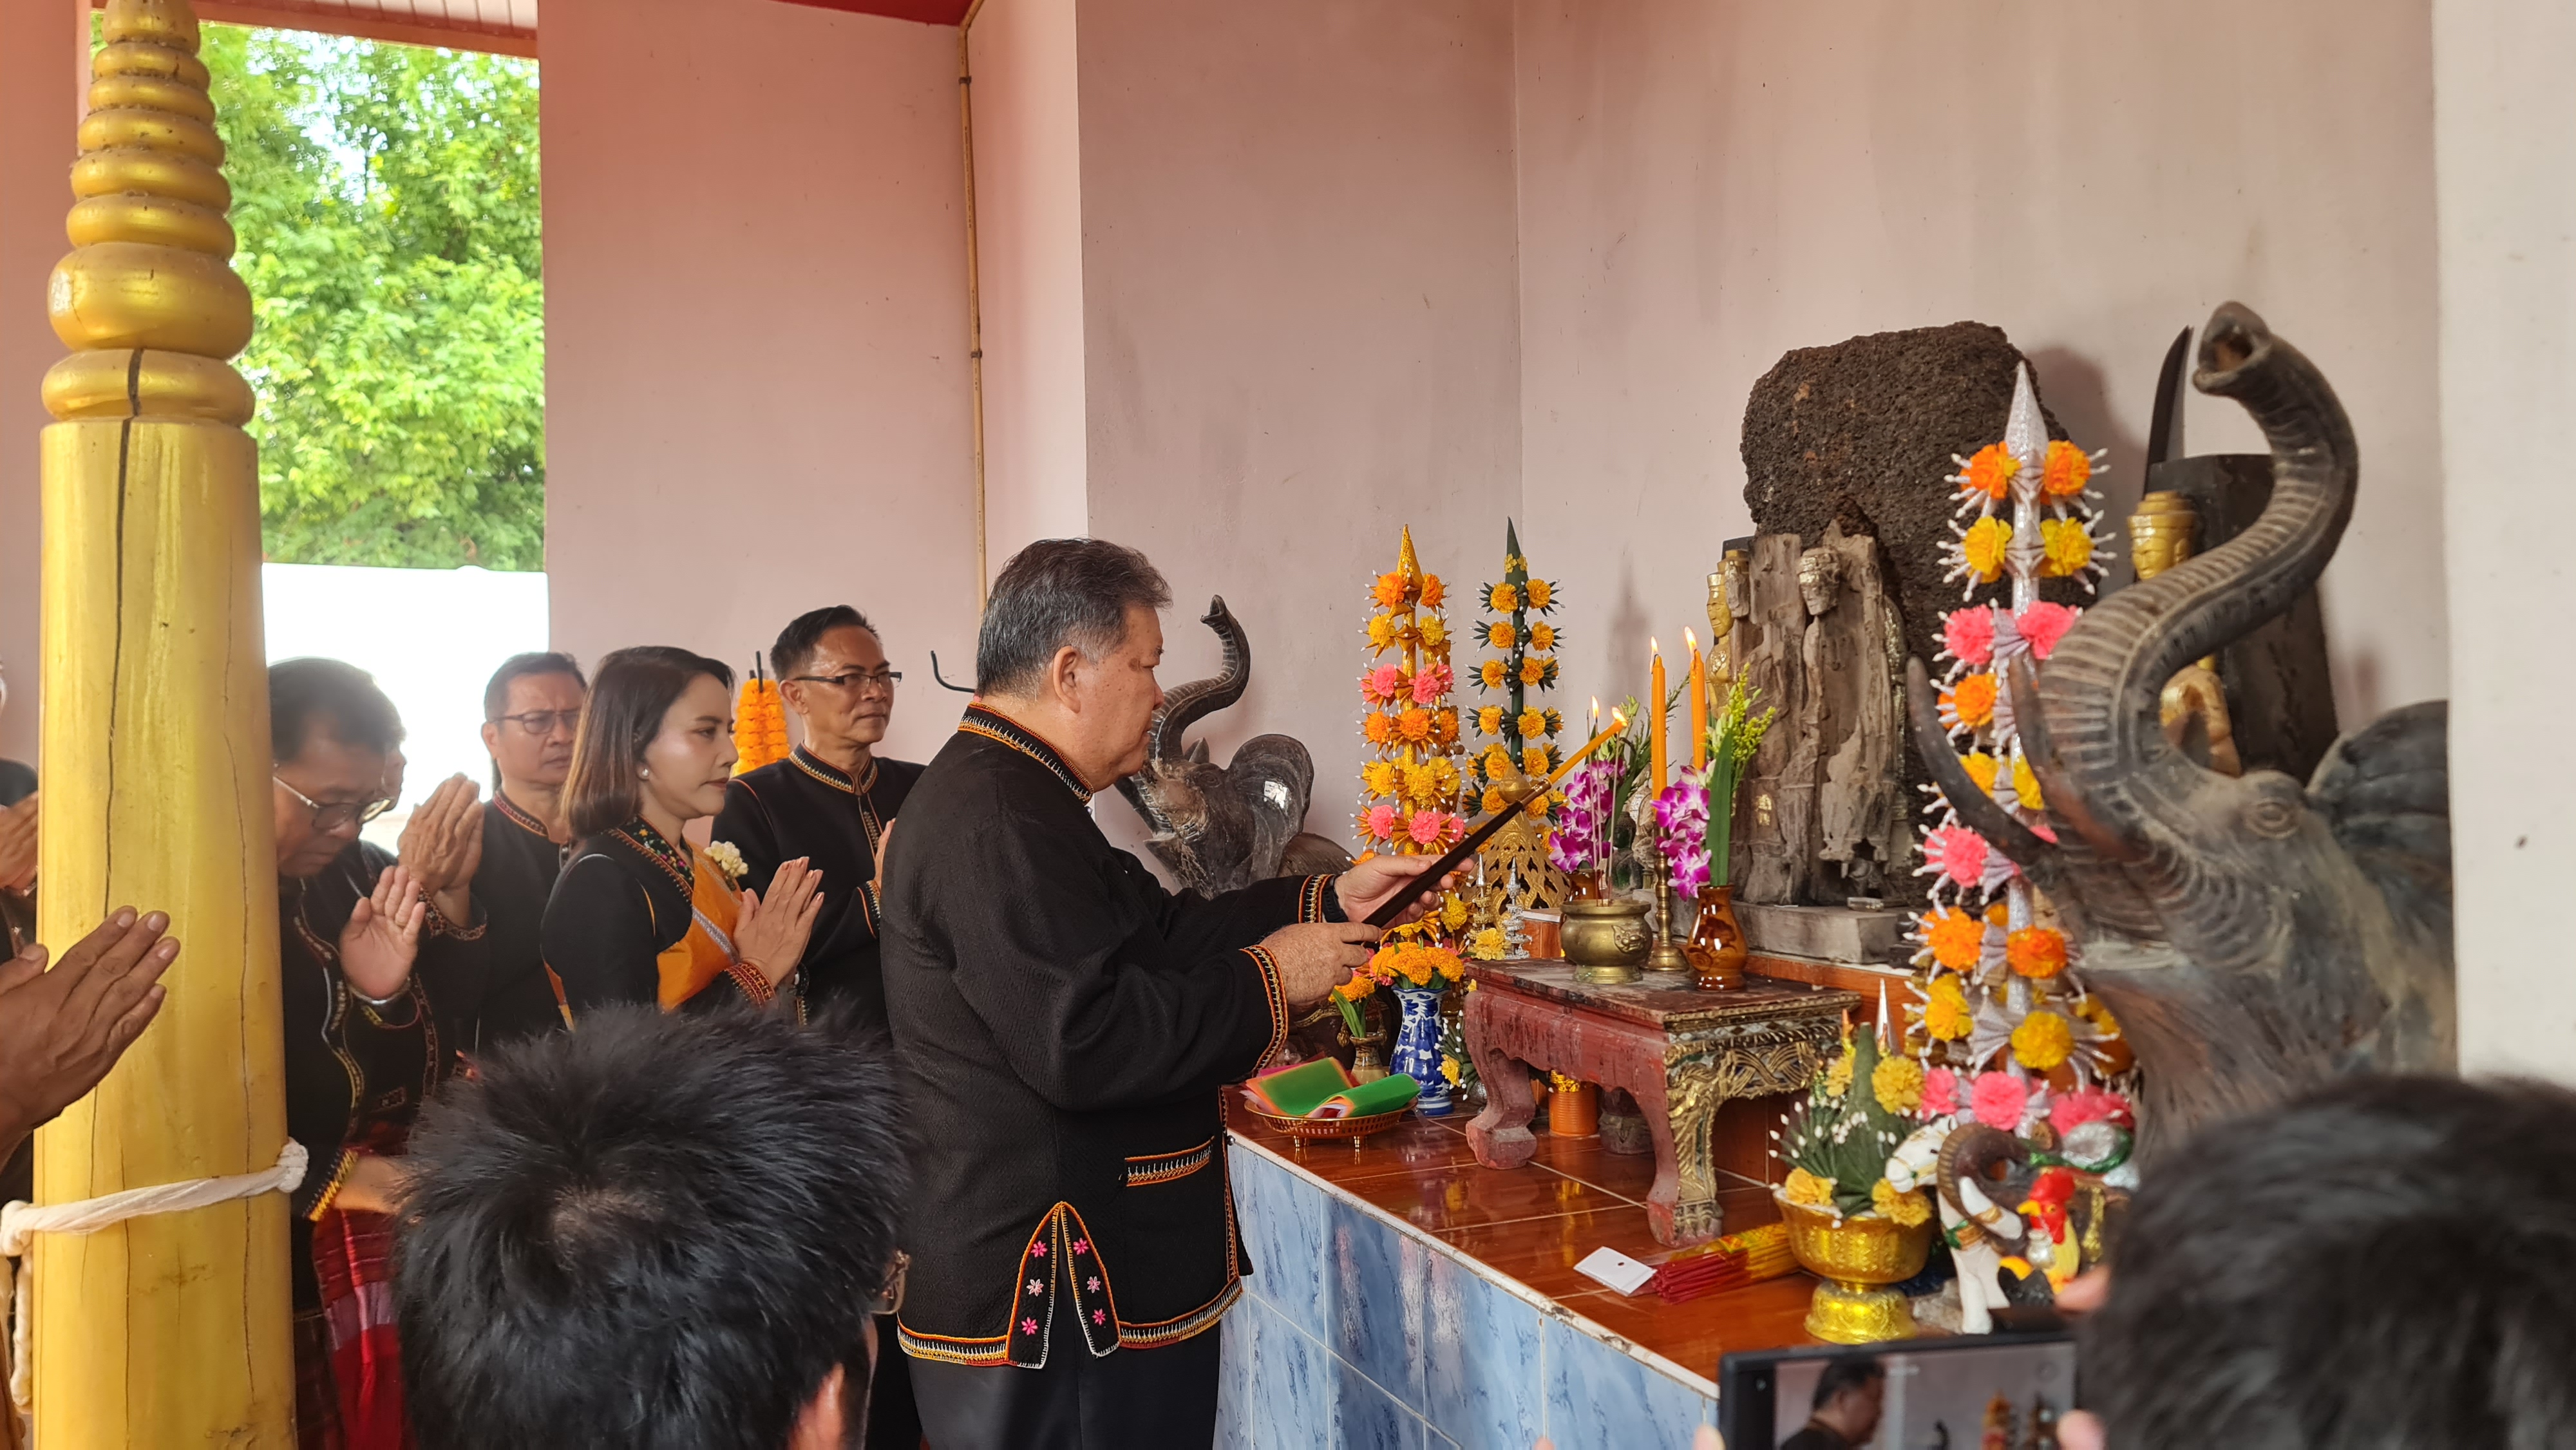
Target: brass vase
[1606, 941]
[1857, 1259]
[1716, 946]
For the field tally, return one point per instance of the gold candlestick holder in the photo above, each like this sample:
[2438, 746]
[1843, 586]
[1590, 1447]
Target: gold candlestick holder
[1667, 955]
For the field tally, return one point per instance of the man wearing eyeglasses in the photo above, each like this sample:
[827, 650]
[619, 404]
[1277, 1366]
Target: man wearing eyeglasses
[381, 971]
[531, 711]
[830, 800]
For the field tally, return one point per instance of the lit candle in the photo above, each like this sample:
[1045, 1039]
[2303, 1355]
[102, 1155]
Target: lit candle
[1655, 721]
[1699, 702]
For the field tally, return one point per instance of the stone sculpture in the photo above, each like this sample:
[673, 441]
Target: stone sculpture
[2253, 936]
[1221, 827]
[1822, 639]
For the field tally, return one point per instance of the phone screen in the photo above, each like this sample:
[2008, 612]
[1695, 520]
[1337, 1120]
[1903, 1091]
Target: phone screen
[1951, 1393]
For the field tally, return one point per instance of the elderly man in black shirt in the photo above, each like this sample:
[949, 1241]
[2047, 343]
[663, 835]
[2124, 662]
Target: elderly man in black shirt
[1068, 1025]
[830, 801]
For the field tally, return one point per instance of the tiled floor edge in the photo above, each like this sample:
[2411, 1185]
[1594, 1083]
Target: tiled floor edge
[1473, 1265]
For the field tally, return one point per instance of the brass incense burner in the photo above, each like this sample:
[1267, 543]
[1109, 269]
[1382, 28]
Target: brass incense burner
[1606, 942]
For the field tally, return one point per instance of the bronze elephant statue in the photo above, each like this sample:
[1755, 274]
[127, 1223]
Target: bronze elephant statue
[2253, 935]
[1222, 827]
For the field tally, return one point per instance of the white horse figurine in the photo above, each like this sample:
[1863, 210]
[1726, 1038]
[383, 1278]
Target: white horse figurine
[1972, 1234]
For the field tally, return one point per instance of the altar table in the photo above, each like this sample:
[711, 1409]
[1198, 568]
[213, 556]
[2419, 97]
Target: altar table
[1681, 1053]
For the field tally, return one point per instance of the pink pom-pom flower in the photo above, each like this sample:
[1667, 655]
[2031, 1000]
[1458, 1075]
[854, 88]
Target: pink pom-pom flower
[2043, 624]
[1431, 684]
[1940, 1092]
[1426, 827]
[1380, 822]
[1998, 1100]
[1383, 684]
[1969, 636]
[2088, 1105]
[1958, 853]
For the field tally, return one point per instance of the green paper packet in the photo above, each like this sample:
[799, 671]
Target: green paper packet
[1386, 1095]
[1295, 1092]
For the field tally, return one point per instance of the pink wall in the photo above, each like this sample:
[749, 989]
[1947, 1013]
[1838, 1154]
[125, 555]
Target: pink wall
[44, 70]
[756, 317]
[1029, 218]
[1299, 302]
[1703, 187]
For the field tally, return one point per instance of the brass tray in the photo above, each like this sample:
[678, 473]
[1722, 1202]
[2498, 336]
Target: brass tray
[1319, 1129]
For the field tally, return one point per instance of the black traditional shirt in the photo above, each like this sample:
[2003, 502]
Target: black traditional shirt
[1067, 1025]
[803, 806]
[520, 864]
[355, 1074]
[620, 926]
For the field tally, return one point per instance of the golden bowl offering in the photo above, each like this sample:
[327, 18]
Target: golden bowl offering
[1857, 1258]
[1606, 941]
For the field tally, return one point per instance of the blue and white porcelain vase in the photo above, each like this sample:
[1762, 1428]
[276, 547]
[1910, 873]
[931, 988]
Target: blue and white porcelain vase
[1417, 1048]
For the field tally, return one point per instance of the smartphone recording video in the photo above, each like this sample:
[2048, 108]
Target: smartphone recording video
[1980, 1392]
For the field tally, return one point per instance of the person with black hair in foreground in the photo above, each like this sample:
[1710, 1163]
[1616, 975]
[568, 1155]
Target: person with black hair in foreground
[655, 1233]
[1845, 1409]
[531, 711]
[2389, 1262]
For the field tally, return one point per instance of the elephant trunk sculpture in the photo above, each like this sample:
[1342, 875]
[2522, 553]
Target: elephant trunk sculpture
[2253, 935]
[1219, 828]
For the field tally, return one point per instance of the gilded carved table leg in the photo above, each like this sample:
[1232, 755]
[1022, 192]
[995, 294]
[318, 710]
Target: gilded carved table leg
[1692, 1097]
[1500, 1135]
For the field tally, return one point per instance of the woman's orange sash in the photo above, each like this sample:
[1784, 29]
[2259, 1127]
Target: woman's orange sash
[703, 953]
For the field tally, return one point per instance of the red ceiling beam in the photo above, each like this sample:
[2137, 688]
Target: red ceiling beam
[928, 12]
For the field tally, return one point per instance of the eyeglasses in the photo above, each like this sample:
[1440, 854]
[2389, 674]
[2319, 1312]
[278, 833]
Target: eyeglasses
[543, 722]
[339, 815]
[856, 680]
[890, 1298]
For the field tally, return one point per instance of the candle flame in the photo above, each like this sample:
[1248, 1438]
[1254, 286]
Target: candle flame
[1653, 648]
[1618, 720]
[1690, 641]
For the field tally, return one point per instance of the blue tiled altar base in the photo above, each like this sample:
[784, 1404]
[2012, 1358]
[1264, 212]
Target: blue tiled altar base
[1358, 1332]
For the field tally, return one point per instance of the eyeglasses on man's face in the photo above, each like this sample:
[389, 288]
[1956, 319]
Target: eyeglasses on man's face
[856, 681]
[541, 723]
[890, 1298]
[339, 815]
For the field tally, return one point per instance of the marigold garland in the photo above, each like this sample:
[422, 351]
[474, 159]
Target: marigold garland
[1954, 938]
[2036, 951]
[1807, 1190]
[1945, 1010]
[759, 722]
[2043, 1040]
[1898, 1083]
[1907, 1208]
[1409, 796]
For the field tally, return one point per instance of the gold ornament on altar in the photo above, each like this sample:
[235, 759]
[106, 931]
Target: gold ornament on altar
[1524, 732]
[2193, 707]
[1411, 795]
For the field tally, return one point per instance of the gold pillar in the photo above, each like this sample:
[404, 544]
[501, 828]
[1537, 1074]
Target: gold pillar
[169, 1330]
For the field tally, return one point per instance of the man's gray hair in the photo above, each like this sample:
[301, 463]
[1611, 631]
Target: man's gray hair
[1059, 592]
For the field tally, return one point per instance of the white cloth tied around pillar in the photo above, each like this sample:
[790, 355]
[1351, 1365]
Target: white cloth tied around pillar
[21, 1220]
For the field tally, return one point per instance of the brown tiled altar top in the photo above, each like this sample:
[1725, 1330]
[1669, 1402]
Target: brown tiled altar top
[1534, 1223]
[1651, 1003]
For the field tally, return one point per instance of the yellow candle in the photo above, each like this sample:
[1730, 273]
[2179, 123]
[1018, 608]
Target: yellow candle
[1655, 720]
[1699, 702]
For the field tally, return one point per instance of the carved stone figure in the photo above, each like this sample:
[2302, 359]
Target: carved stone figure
[2253, 936]
[1827, 802]
[1219, 828]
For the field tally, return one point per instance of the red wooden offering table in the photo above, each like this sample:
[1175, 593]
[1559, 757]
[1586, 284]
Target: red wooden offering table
[1680, 1052]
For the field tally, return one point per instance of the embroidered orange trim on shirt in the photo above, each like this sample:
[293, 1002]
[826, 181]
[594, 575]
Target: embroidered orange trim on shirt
[1198, 1321]
[1277, 1000]
[753, 985]
[993, 725]
[978, 1353]
[1310, 899]
[1153, 1168]
[518, 816]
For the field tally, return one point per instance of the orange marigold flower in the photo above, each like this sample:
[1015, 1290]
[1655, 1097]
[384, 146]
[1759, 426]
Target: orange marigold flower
[1391, 591]
[1991, 473]
[1444, 726]
[1414, 725]
[2043, 1040]
[1533, 670]
[1533, 724]
[1503, 599]
[1981, 769]
[2069, 547]
[1984, 546]
[1945, 1010]
[1433, 591]
[1542, 636]
[2036, 951]
[1494, 800]
[1971, 702]
[1491, 672]
[1534, 762]
[2066, 472]
[1501, 634]
[1541, 593]
[1432, 633]
[1489, 720]
[1956, 938]
[1381, 631]
[1376, 727]
[1498, 761]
